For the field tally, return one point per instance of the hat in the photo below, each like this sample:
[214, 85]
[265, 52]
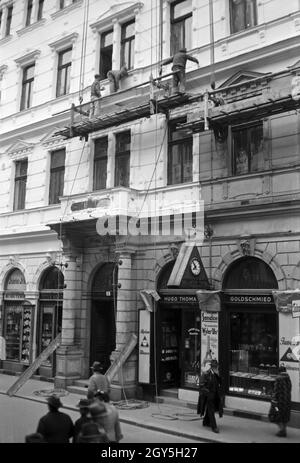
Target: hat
[97, 409]
[90, 429]
[54, 401]
[83, 403]
[97, 366]
[183, 49]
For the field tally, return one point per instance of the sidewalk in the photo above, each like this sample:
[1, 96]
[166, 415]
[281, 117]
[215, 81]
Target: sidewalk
[169, 418]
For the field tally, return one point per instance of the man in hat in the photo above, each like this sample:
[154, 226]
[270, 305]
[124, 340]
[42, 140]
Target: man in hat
[210, 394]
[95, 95]
[98, 381]
[179, 63]
[55, 426]
[83, 406]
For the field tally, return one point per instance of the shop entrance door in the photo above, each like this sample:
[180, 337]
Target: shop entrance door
[103, 332]
[170, 339]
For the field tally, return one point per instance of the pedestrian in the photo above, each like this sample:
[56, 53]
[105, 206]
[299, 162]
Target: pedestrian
[114, 78]
[280, 410]
[98, 381]
[210, 395]
[179, 63]
[83, 405]
[55, 426]
[109, 420]
[91, 434]
[34, 438]
[95, 96]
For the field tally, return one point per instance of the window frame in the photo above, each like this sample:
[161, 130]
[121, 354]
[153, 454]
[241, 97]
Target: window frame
[29, 11]
[26, 104]
[40, 10]
[181, 19]
[104, 50]
[98, 157]
[20, 181]
[248, 127]
[54, 191]
[119, 156]
[181, 142]
[60, 69]
[8, 20]
[124, 41]
[231, 16]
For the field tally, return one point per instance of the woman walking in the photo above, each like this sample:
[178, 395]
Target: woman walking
[281, 400]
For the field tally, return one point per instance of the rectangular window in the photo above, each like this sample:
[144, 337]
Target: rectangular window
[106, 49]
[40, 10]
[127, 44]
[27, 87]
[20, 184]
[1, 14]
[100, 163]
[122, 162]
[180, 155]
[61, 4]
[247, 149]
[29, 12]
[8, 20]
[243, 14]
[57, 174]
[63, 72]
[181, 25]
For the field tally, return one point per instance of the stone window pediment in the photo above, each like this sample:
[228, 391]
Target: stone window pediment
[117, 12]
[51, 141]
[28, 58]
[20, 149]
[64, 42]
[242, 76]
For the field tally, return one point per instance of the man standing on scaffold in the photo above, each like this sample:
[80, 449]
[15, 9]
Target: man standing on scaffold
[179, 63]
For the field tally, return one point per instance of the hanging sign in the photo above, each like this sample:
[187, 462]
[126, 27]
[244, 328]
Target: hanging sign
[144, 346]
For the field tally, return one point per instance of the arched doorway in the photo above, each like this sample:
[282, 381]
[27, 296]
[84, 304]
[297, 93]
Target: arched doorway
[103, 317]
[250, 346]
[18, 322]
[50, 315]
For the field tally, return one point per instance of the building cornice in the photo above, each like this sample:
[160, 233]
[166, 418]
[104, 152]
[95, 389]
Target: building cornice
[30, 28]
[121, 15]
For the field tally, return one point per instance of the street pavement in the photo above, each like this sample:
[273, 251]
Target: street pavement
[162, 418]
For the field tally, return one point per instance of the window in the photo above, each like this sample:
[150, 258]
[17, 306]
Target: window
[100, 163]
[247, 148]
[57, 174]
[27, 87]
[242, 14]
[122, 164]
[8, 20]
[181, 25]
[20, 184]
[106, 49]
[61, 4]
[180, 155]
[1, 14]
[29, 12]
[63, 72]
[40, 9]
[127, 44]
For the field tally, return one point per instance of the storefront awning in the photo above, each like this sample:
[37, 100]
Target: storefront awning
[149, 296]
[209, 301]
[285, 301]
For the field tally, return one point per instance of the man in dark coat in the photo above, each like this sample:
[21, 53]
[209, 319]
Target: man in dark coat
[114, 78]
[83, 405]
[95, 96]
[281, 399]
[179, 62]
[210, 395]
[55, 426]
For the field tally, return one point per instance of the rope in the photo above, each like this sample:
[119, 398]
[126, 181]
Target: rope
[83, 50]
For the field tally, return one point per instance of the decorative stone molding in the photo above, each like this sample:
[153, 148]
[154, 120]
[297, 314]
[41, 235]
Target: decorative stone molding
[20, 149]
[28, 58]
[246, 246]
[31, 27]
[64, 42]
[117, 12]
[67, 9]
[3, 69]
[159, 265]
[51, 141]
[15, 264]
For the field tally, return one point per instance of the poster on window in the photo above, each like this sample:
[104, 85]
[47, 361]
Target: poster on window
[209, 335]
[289, 350]
[144, 347]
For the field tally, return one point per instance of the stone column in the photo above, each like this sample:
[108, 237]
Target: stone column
[33, 298]
[126, 324]
[69, 354]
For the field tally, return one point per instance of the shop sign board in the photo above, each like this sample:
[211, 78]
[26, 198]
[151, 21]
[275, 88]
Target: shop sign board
[144, 346]
[249, 299]
[179, 299]
[209, 335]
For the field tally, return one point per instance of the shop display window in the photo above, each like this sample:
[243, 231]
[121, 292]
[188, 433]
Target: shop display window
[169, 356]
[192, 343]
[18, 319]
[253, 353]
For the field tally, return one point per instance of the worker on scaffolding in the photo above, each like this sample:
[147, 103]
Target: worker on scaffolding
[95, 96]
[114, 78]
[179, 63]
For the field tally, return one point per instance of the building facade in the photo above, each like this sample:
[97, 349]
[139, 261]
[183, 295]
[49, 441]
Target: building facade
[63, 266]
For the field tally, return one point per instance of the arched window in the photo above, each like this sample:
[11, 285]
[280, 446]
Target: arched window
[249, 273]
